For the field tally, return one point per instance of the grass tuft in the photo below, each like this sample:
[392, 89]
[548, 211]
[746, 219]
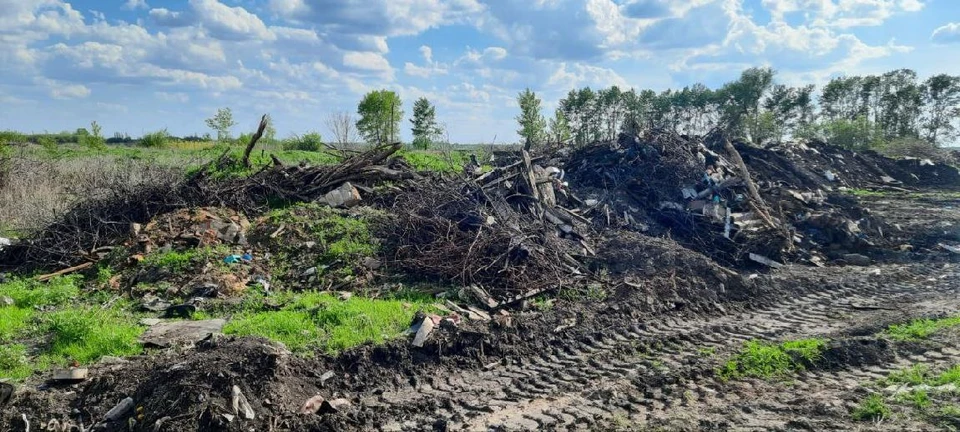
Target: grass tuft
[28, 293]
[920, 329]
[873, 408]
[764, 360]
[85, 335]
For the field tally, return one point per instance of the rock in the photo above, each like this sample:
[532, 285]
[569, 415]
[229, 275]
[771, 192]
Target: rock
[240, 404]
[372, 263]
[591, 202]
[153, 303]
[764, 260]
[857, 259]
[70, 375]
[345, 196]
[326, 376]
[426, 327]
[345, 295]
[228, 417]
[135, 229]
[6, 301]
[310, 244]
[181, 332]
[309, 272]
[150, 322]
[830, 175]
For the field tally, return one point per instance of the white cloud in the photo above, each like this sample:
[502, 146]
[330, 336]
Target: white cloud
[178, 97]
[427, 53]
[135, 4]
[947, 34]
[60, 90]
[570, 76]
[369, 61]
[230, 22]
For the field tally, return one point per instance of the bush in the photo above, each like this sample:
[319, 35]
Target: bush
[307, 142]
[156, 139]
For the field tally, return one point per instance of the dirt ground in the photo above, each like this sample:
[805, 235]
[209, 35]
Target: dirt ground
[635, 361]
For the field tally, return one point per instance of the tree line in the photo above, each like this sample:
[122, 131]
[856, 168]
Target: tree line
[858, 112]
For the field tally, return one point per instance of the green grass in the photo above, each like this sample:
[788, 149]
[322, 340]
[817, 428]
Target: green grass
[920, 329]
[873, 408]
[177, 262]
[339, 236]
[426, 160]
[28, 293]
[54, 320]
[915, 375]
[866, 193]
[765, 360]
[320, 321]
[920, 399]
[949, 376]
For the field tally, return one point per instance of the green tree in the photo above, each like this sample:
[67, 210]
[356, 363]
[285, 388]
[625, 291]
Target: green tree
[380, 112]
[425, 128]
[93, 139]
[559, 128]
[941, 97]
[270, 132]
[741, 110]
[222, 122]
[532, 124]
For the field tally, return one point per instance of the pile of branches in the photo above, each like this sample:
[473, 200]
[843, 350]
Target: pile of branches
[500, 232]
[92, 227]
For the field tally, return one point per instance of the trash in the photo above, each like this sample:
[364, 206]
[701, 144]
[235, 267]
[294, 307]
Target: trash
[228, 417]
[333, 406]
[857, 260]
[309, 272]
[247, 257]
[345, 196]
[326, 376]
[167, 334]
[180, 311]
[765, 261]
[70, 375]
[240, 404]
[153, 303]
[232, 259]
[6, 301]
[952, 249]
[263, 282]
[426, 327]
[5, 242]
[312, 405]
[830, 175]
[6, 393]
[118, 411]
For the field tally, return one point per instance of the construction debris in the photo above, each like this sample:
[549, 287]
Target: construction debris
[241, 406]
[71, 375]
[168, 334]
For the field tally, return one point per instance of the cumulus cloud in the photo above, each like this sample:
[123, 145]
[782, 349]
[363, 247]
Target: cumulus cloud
[368, 61]
[377, 17]
[135, 4]
[947, 34]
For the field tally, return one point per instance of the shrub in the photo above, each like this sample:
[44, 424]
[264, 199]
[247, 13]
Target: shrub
[307, 142]
[158, 139]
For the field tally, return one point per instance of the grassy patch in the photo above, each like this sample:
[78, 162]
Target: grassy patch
[321, 321]
[87, 334]
[425, 160]
[28, 293]
[920, 329]
[13, 321]
[920, 399]
[764, 360]
[340, 237]
[865, 193]
[14, 363]
[915, 375]
[873, 408]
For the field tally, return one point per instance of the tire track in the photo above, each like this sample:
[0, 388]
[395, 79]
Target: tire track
[599, 380]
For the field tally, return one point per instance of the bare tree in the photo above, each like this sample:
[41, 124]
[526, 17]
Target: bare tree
[341, 125]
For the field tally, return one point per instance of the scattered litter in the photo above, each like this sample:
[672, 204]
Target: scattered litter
[426, 327]
[312, 405]
[765, 261]
[830, 175]
[232, 259]
[5, 242]
[153, 303]
[118, 411]
[344, 196]
[326, 376]
[240, 404]
[952, 249]
[333, 406]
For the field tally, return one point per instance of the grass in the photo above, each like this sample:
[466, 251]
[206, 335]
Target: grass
[49, 325]
[320, 321]
[915, 375]
[765, 360]
[920, 399]
[873, 408]
[176, 262]
[866, 193]
[426, 160]
[920, 329]
[340, 237]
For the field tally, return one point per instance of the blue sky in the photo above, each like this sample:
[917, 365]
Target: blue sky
[136, 66]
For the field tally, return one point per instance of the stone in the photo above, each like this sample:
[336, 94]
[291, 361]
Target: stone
[180, 311]
[857, 259]
[309, 272]
[6, 393]
[6, 301]
[345, 196]
[240, 404]
[312, 405]
[150, 322]
[181, 332]
[333, 406]
[426, 327]
[70, 375]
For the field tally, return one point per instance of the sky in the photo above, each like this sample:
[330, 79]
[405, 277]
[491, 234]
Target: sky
[137, 66]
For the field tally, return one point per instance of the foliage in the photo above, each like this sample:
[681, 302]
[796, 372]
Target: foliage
[919, 398]
[311, 141]
[764, 360]
[873, 408]
[28, 293]
[270, 132]
[425, 128]
[920, 329]
[854, 134]
[380, 113]
[158, 139]
[13, 320]
[434, 161]
[532, 124]
[14, 363]
[87, 334]
[92, 140]
[559, 128]
[221, 123]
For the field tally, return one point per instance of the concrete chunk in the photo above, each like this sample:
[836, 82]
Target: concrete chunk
[167, 334]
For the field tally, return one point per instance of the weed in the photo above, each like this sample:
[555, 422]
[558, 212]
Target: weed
[542, 304]
[920, 329]
[918, 398]
[707, 351]
[872, 408]
[341, 237]
[312, 142]
[866, 193]
[949, 376]
[292, 328]
[28, 293]
[87, 334]
[435, 161]
[104, 274]
[172, 261]
[915, 375]
[763, 360]
[950, 411]
[156, 139]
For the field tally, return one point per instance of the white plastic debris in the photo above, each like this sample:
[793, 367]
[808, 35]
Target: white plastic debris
[830, 175]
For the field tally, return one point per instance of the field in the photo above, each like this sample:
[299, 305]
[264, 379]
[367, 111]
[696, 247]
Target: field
[657, 282]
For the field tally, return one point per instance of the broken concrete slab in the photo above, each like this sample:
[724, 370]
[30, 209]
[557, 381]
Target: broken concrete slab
[70, 375]
[426, 327]
[345, 196]
[240, 404]
[150, 322]
[168, 334]
[764, 260]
